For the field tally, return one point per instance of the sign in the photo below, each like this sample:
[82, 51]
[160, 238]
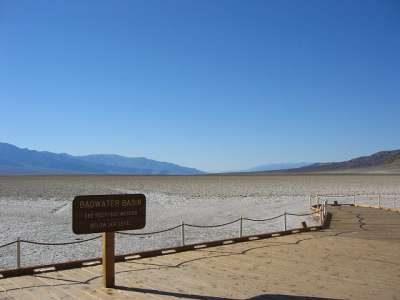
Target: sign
[108, 213]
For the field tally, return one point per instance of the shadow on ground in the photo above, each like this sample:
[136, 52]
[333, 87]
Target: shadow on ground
[287, 297]
[152, 266]
[202, 297]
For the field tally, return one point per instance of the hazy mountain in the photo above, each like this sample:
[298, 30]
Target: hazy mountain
[142, 163]
[14, 160]
[380, 162]
[278, 166]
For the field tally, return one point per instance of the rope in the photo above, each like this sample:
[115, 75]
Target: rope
[212, 226]
[300, 215]
[59, 244]
[353, 194]
[154, 232]
[5, 245]
[149, 233]
[337, 196]
[262, 220]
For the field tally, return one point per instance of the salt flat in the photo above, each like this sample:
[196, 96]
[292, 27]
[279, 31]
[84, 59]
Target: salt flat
[39, 207]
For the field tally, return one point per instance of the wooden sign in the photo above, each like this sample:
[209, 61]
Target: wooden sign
[108, 213]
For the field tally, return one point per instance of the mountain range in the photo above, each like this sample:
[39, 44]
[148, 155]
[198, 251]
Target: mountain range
[387, 162]
[278, 166]
[15, 160]
[380, 162]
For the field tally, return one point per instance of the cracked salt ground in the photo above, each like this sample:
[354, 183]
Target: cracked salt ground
[39, 208]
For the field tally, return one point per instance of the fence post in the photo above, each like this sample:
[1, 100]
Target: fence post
[394, 203]
[354, 199]
[320, 214]
[317, 201]
[241, 226]
[323, 209]
[379, 200]
[284, 219]
[183, 232]
[309, 201]
[18, 253]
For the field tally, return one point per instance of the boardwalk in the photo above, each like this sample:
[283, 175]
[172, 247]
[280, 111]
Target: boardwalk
[358, 257]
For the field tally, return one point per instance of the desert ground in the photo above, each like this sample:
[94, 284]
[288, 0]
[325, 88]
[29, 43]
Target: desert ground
[347, 260]
[38, 208]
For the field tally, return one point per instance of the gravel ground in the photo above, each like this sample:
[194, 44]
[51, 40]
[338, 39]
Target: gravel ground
[38, 208]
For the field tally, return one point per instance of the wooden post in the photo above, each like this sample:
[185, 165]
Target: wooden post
[379, 200]
[354, 199]
[18, 253]
[320, 215]
[183, 233]
[108, 259]
[284, 220]
[304, 225]
[309, 201]
[322, 211]
[241, 227]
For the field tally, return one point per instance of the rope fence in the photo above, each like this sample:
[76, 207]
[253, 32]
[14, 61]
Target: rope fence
[380, 200]
[182, 226]
[318, 202]
[150, 233]
[212, 226]
[262, 220]
[8, 244]
[57, 244]
[299, 215]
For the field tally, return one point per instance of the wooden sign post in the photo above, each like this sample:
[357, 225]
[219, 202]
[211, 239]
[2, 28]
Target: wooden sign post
[108, 259]
[107, 214]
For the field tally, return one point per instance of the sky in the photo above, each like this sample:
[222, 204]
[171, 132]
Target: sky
[216, 85]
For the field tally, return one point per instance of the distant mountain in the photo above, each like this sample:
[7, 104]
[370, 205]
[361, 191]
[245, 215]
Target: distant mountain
[380, 162]
[278, 166]
[14, 160]
[142, 163]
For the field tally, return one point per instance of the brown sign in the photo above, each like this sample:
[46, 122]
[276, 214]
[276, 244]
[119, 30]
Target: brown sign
[108, 213]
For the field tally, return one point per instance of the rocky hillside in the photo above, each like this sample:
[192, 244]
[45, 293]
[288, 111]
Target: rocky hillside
[380, 162]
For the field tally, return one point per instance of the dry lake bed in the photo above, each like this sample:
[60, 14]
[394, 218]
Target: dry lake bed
[38, 208]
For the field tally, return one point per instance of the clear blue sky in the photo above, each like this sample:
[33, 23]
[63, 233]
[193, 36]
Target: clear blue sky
[215, 85]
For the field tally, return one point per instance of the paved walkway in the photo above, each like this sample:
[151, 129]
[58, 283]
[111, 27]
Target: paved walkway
[357, 258]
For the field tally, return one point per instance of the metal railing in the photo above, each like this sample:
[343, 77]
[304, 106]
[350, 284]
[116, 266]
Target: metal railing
[182, 226]
[380, 200]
